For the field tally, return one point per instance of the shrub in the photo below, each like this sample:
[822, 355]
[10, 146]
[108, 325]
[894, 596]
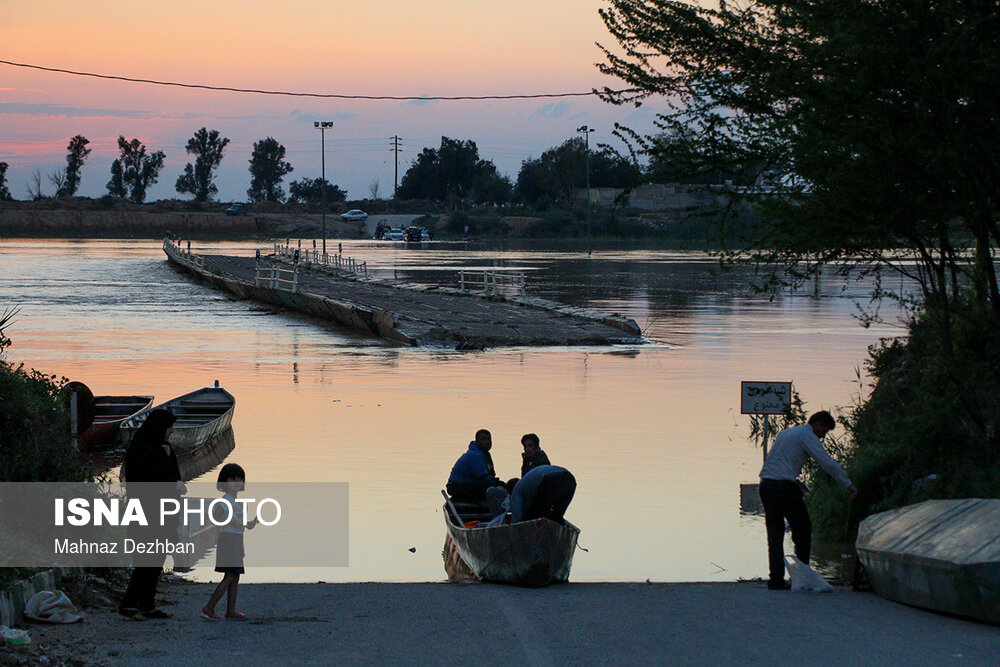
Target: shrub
[933, 410]
[34, 437]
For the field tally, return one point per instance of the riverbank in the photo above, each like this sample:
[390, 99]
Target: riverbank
[452, 624]
[135, 223]
[88, 219]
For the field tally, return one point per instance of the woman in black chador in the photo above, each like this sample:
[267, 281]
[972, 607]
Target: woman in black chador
[150, 473]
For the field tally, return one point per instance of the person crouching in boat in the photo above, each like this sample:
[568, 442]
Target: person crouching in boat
[544, 493]
[473, 479]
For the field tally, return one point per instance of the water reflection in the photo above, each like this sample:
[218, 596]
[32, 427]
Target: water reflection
[648, 432]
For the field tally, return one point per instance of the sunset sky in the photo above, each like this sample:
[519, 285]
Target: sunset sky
[384, 47]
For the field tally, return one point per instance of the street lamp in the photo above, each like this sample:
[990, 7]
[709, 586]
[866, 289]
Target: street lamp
[583, 129]
[322, 126]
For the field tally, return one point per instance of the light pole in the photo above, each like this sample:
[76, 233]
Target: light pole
[583, 129]
[322, 126]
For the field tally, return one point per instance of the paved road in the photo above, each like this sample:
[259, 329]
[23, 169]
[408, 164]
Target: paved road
[590, 624]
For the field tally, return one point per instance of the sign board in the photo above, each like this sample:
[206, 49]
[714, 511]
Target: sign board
[765, 398]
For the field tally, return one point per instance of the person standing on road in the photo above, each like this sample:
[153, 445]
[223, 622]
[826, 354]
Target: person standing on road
[781, 493]
[151, 473]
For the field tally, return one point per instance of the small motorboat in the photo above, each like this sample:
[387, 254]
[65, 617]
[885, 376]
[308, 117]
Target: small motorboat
[202, 416]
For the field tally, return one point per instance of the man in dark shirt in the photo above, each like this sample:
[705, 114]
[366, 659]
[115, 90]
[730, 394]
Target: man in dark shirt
[533, 455]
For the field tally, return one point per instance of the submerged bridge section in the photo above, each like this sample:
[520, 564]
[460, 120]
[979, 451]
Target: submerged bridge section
[417, 315]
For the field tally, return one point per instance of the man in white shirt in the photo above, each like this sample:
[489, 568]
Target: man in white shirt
[781, 494]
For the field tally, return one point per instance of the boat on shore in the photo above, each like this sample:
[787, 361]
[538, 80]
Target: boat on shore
[529, 553]
[942, 555]
[109, 413]
[202, 416]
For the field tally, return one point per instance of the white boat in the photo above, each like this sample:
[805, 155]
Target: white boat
[202, 416]
[939, 554]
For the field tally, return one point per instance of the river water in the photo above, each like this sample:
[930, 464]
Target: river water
[652, 433]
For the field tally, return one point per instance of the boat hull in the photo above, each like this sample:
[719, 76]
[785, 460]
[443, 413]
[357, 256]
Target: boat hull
[202, 416]
[530, 553]
[109, 413]
[942, 555]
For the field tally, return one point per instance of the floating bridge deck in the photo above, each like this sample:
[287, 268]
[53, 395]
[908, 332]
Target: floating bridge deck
[409, 314]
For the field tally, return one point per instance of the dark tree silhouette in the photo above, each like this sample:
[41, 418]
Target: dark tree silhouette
[4, 190]
[197, 179]
[76, 155]
[561, 171]
[454, 172]
[134, 171]
[267, 168]
[876, 121]
[310, 190]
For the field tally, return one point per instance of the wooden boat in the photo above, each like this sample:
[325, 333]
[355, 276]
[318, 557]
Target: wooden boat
[202, 416]
[939, 554]
[109, 413]
[530, 553]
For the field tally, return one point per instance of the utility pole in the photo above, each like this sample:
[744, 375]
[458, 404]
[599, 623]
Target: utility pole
[395, 146]
[322, 126]
[586, 135]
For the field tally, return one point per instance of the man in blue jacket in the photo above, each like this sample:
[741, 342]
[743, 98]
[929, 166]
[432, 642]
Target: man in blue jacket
[473, 479]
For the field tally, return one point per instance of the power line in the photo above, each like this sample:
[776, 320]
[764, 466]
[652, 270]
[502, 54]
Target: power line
[338, 96]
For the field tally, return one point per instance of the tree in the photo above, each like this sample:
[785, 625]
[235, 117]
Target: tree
[267, 168]
[310, 191]
[197, 179]
[421, 180]
[4, 190]
[116, 186]
[134, 171]
[560, 172]
[373, 188]
[76, 155]
[35, 185]
[876, 124]
[876, 120]
[454, 172]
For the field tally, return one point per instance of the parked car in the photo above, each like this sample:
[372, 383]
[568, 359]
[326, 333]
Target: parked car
[394, 234]
[354, 216]
[417, 234]
[237, 209]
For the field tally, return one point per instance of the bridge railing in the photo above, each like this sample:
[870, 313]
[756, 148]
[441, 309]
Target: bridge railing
[276, 276]
[491, 282]
[319, 259]
[172, 246]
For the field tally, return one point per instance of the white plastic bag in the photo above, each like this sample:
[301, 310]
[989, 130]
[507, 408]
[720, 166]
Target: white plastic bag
[51, 607]
[14, 637]
[804, 578]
